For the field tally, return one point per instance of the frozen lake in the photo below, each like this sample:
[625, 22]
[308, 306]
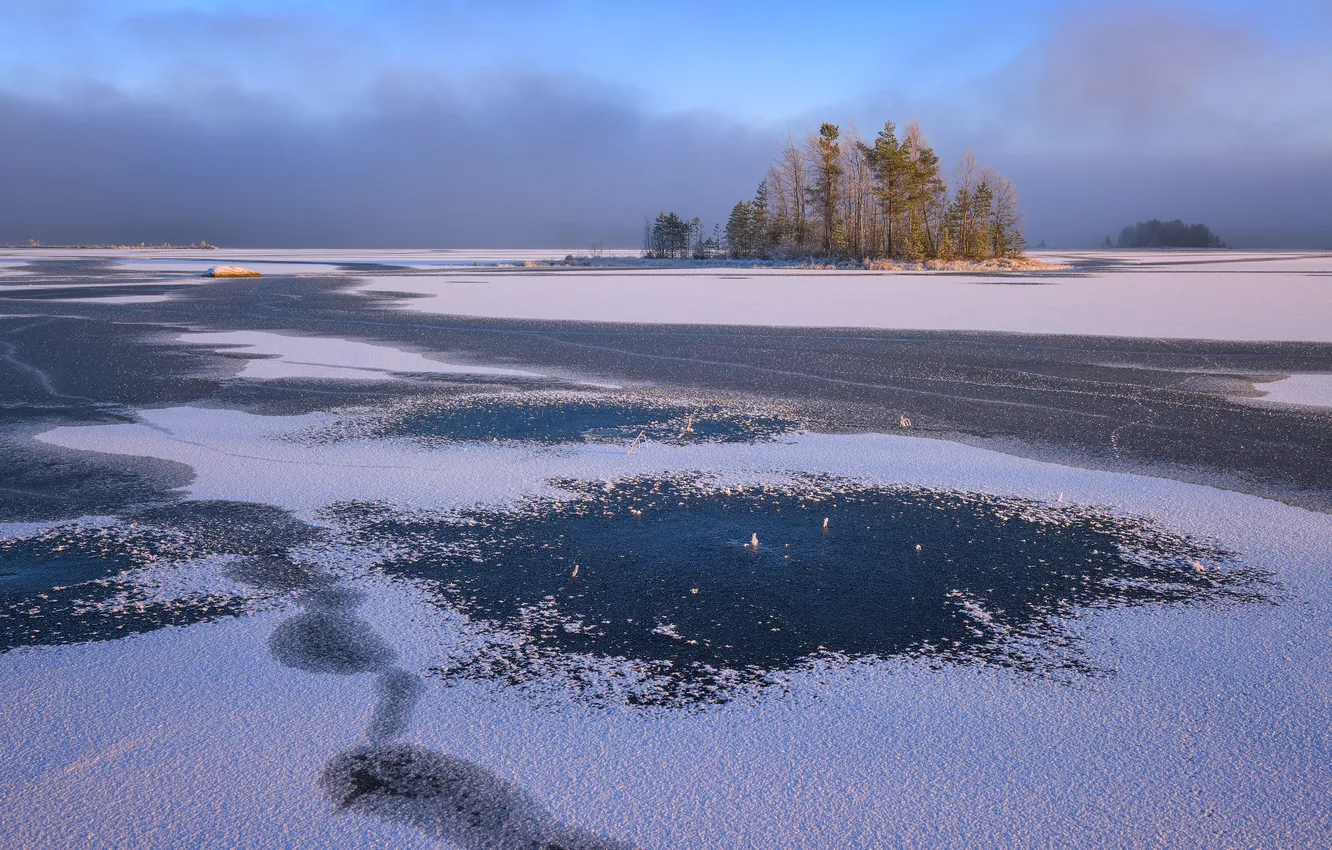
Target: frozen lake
[386, 549]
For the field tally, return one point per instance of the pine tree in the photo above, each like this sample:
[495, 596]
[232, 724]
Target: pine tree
[888, 160]
[739, 230]
[982, 200]
[925, 192]
[826, 156]
[672, 236]
[839, 195]
[953, 234]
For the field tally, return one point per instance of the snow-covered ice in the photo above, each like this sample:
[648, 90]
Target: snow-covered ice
[1302, 390]
[1261, 297]
[1211, 732]
[119, 299]
[279, 356]
[1208, 728]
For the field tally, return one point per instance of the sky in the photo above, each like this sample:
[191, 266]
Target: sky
[544, 123]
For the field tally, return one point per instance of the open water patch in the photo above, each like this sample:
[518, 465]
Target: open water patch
[681, 590]
[568, 417]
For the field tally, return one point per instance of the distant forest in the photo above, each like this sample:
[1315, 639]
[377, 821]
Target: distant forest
[1166, 234]
[835, 195]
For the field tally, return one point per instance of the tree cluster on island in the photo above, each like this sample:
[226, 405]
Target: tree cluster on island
[1166, 234]
[838, 196]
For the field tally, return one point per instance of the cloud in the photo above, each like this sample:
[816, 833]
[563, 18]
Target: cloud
[1162, 77]
[1124, 112]
[1131, 64]
[522, 162]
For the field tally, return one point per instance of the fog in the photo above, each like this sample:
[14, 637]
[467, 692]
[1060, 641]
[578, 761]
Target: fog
[531, 167]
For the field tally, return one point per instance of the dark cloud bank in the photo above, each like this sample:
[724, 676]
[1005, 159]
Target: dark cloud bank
[530, 167]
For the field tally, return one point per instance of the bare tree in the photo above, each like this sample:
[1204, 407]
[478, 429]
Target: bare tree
[1005, 217]
[795, 177]
[858, 210]
[963, 213]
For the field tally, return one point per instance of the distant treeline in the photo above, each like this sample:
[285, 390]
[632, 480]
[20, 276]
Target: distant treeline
[33, 243]
[1167, 234]
[838, 196]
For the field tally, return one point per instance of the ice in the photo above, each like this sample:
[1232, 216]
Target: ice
[247, 457]
[1192, 743]
[1247, 297]
[1302, 390]
[119, 299]
[278, 356]
[316, 714]
[117, 284]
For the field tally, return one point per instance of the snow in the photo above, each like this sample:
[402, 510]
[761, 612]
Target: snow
[293, 261]
[1302, 390]
[247, 457]
[200, 738]
[118, 299]
[1211, 733]
[903, 756]
[279, 356]
[1260, 297]
[117, 284]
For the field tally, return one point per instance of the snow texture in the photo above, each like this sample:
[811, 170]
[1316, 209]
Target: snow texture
[1301, 390]
[202, 738]
[313, 720]
[278, 356]
[1247, 297]
[119, 299]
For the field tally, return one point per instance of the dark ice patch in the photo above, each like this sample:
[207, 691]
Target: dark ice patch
[42, 481]
[397, 692]
[328, 637]
[329, 642]
[66, 584]
[73, 554]
[551, 419]
[448, 797]
[29, 569]
[276, 574]
[243, 528]
[660, 573]
[103, 610]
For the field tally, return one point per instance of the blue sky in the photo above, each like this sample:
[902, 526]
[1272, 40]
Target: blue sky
[1043, 89]
[754, 61]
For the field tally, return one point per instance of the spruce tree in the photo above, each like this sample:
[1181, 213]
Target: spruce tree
[982, 200]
